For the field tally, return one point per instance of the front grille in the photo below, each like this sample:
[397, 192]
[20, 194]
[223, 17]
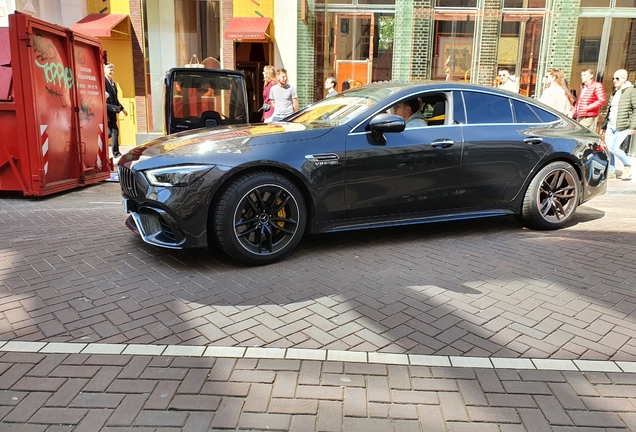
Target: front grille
[127, 182]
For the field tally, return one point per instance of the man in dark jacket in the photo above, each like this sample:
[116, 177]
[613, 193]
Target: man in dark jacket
[113, 107]
[591, 100]
[620, 121]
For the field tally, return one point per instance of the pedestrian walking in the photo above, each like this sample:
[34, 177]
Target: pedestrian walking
[113, 107]
[269, 81]
[506, 82]
[283, 97]
[330, 86]
[591, 100]
[620, 121]
[557, 95]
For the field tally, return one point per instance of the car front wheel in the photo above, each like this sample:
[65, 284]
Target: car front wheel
[552, 197]
[259, 218]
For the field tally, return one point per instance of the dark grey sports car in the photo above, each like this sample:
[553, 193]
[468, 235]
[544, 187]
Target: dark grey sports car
[348, 162]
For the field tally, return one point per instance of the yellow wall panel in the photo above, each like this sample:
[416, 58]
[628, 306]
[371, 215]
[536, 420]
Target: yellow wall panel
[108, 6]
[254, 8]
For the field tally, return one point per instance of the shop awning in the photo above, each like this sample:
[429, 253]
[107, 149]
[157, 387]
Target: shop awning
[103, 25]
[248, 29]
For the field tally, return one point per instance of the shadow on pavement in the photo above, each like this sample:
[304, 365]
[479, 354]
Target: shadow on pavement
[72, 272]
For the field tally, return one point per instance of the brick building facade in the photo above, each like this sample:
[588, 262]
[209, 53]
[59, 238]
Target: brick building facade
[360, 41]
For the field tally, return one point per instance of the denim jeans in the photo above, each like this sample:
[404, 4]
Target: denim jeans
[614, 139]
[277, 118]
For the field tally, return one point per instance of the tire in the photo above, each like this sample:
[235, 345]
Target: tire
[552, 197]
[259, 218]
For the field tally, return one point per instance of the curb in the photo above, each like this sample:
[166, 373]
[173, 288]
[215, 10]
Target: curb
[318, 355]
[621, 191]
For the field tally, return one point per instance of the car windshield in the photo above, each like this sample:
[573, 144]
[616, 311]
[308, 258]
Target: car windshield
[341, 108]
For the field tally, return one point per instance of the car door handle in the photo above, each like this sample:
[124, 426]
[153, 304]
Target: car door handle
[533, 140]
[442, 143]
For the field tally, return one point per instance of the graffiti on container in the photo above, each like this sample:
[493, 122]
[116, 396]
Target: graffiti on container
[85, 110]
[60, 96]
[57, 73]
[43, 51]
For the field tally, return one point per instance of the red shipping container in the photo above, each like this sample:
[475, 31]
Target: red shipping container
[52, 108]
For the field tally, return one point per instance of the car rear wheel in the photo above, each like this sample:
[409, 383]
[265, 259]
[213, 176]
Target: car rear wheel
[259, 218]
[552, 197]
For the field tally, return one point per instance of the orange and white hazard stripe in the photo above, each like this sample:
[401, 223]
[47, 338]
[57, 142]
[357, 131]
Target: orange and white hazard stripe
[100, 150]
[44, 142]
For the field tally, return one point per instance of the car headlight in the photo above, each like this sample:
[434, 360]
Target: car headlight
[183, 175]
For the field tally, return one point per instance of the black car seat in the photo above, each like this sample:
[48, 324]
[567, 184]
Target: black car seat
[439, 114]
[210, 118]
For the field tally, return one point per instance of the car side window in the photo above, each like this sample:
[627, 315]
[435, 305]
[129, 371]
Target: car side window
[459, 116]
[545, 116]
[485, 108]
[524, 113]
[433, 108]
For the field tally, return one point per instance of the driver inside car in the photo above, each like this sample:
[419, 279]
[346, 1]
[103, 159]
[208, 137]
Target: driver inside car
[409, 110]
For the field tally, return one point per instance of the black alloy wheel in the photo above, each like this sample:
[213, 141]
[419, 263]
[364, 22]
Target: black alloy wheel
[552, 197]
[259, 218]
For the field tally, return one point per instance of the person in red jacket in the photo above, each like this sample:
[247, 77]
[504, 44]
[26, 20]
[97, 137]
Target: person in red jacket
[591, 100]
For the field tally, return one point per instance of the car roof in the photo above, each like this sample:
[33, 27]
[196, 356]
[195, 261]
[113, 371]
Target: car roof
[420, 86]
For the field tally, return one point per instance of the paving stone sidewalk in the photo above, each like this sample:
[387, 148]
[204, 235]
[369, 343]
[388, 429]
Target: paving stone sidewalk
[71, 273]
[82, 392]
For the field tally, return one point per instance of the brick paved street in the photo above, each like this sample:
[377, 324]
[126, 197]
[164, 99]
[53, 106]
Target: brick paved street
[502, 298]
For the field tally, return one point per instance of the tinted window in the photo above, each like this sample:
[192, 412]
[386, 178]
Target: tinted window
[546, 117]
[459, 117]
[456, 3]
[486, 108]
[523, 113]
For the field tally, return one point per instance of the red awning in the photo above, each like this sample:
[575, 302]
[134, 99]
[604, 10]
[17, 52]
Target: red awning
[102, 25]
[248, 28]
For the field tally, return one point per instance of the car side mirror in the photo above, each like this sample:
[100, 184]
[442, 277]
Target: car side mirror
[382, 123]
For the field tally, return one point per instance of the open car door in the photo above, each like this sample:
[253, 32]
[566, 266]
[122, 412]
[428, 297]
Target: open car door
[198, 97]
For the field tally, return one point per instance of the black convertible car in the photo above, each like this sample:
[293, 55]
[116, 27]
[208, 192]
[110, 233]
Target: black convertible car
[348, 162]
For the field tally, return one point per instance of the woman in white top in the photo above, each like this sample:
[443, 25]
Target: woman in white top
[557, 94]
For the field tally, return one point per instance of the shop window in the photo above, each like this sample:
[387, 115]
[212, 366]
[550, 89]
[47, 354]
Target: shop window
[453, 50]
[587, 49]
[384, 2]
[524, 4]
[595, 3]
[519, 47]
[457, 3]
[625, 3]
[197, 30]
[172, 35]
[621, 53]
[357, 48]
[356, 2]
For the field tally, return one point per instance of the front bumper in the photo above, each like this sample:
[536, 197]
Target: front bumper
[168, 217]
